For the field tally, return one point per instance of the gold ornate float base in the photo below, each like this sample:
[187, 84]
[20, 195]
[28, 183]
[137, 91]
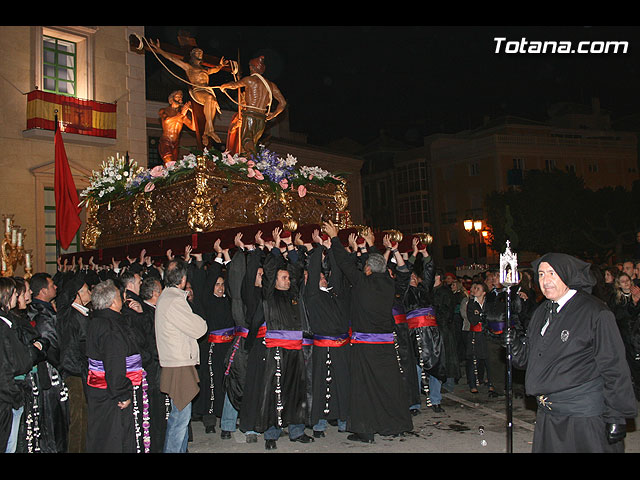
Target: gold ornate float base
[208, 200]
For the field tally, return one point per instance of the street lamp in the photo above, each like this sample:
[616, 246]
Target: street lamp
[474, 227]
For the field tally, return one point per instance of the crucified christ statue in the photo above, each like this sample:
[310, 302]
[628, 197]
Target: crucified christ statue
[200, 91]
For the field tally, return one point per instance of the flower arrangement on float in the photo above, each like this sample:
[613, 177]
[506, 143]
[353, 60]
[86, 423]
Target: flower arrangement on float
[277, 172]
[121, 176]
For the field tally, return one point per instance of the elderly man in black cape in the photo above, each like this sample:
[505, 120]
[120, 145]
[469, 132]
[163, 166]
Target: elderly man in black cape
[376, 380]
[115, 366]
[575, 365]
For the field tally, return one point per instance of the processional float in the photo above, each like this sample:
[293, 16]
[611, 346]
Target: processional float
[214, 189]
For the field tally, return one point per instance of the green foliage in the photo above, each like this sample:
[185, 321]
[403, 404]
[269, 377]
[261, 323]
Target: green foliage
[553, 211]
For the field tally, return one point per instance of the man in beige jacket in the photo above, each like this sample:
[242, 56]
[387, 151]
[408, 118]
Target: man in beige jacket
[177, 332]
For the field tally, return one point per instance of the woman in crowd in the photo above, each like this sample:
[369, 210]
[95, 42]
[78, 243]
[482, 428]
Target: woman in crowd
[16, 360]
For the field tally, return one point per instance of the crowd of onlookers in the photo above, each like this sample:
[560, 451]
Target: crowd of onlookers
[44, 365]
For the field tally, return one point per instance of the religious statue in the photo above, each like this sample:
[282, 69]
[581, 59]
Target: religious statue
[255, 106]
[173, 117]
[200, 91]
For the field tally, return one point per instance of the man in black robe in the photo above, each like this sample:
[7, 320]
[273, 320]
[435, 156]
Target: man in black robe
[575, 364]
[115, 366]
[236, 360]
[211, 302]
[330, 354]
[425, 333]
[254, 345]
[283, 400]
[376, 381]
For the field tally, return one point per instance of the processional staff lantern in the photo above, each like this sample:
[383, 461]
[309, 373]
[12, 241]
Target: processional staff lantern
[509, 277]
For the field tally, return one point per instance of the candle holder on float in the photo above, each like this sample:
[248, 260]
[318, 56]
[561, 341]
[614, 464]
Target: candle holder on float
[12, 249]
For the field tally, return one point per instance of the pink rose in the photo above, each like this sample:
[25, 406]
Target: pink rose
[302, 191]
[284, 183]
[259, 175]
[157, 171]
[251, 163]
[251, 172]
[149, 186]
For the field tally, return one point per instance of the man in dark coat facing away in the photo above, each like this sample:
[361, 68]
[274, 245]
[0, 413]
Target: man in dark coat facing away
[575, 365]
[376, 380]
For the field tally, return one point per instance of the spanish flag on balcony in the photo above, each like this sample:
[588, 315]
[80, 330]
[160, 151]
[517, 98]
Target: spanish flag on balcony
[83, 117]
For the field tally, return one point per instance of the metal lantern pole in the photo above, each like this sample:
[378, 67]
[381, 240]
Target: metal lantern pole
[509, 277]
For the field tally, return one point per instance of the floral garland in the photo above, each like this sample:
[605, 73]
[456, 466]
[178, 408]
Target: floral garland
[121, 176]
[279, 173]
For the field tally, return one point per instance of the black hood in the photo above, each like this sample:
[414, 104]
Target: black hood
[575, 273]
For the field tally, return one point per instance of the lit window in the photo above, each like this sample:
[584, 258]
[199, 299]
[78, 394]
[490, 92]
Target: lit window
[59, 66]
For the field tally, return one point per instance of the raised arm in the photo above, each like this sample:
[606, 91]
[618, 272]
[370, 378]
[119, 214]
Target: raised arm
[343, 259]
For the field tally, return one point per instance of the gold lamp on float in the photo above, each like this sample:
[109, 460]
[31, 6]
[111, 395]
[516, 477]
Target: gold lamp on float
[12, 249]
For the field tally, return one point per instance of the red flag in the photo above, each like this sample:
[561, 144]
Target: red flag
[67, 210]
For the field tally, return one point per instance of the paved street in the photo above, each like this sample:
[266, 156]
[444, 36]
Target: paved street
[471, 423]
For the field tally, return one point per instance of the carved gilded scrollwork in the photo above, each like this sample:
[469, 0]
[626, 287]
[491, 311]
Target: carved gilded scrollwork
[92, 230]
[201, 215]
[343, 216]
[143, 214]
[288, 222]
[266, 195]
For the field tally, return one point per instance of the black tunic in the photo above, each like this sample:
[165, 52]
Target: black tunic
[329, 322]
[236, 359]
[427, 341]
[110, 429]
[444, 304]
[376, 381]
[254, 345]
[582, 344]
[281, 314]
[404, 344]
[214, 347]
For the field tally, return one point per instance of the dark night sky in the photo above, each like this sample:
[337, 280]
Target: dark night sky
[353, 81]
